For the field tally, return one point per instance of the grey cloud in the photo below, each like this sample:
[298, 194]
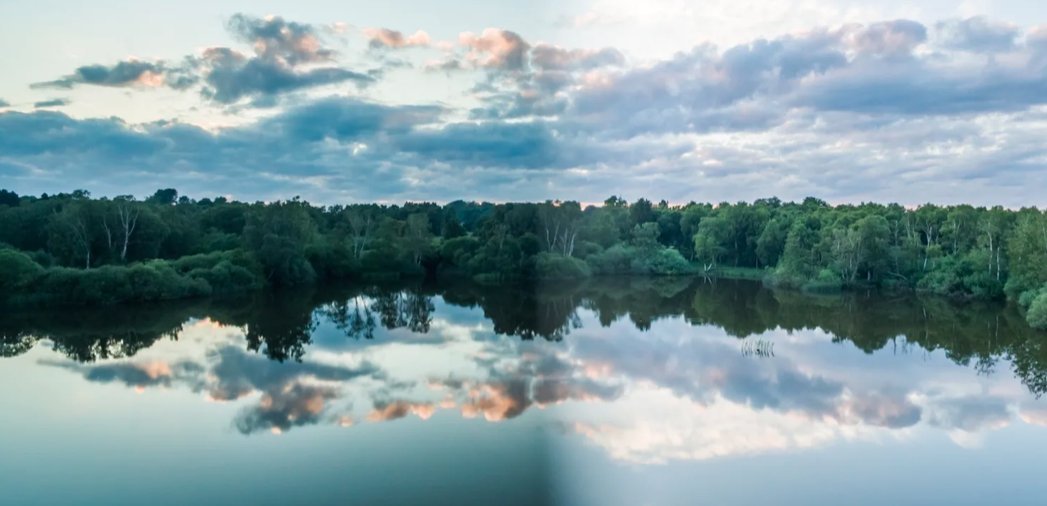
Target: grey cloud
[295, 405]
[969, 413]
[231, 76]
[881, 410]
[536, 88]
[284, 58]
[896, 91]
[46, 132]
[387, 410]
[888, 38]
[857, 69]
[238, 373]
[526, 145]
[496, 49]
[53, 102]
[715, 370]
[4, 103]
[978, 34]
[347, 119]
[844, 113]
[549, 57]
[273, 38]
[294, 394]
[539, 378]
[124, 73]
[136, 374]
[446, 65]
[281, 152]
[691, 91]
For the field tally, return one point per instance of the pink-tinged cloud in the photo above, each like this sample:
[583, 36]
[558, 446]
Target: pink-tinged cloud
[394, 410]
[386, 38]
[496, 49]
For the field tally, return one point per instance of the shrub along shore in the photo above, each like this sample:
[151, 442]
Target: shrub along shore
[72, 249]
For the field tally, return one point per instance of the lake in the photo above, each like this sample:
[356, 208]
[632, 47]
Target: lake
[669, 391]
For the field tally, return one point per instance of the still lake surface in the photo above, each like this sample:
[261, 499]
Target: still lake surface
[609, 392]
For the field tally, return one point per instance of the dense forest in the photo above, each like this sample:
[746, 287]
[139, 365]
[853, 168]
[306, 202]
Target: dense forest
[72, 249]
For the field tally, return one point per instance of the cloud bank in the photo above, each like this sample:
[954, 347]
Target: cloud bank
[887, 110]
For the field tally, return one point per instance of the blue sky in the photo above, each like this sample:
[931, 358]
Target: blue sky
[343, 101]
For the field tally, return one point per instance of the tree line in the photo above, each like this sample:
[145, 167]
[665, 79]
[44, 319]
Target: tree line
[71, 248]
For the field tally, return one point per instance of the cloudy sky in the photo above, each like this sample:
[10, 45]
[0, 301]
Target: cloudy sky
[849, 101]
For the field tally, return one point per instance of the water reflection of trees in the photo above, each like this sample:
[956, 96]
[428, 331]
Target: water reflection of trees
[88, 335]
[281, 326]
[352, 316]
[358, 316]
[546, 311]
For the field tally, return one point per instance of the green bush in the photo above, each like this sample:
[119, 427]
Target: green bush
[1026, 298]
[332, 260]
[388, 261]
[827, 280]
[586, 249]
[17, 270]
[227, 278]
[617, 259]
[151, 281]
[967, 277]
[200, 261]
[554, 266]
[459, 251]
[782, 277]
[226, 272]
[1037, 314]
[664, 262]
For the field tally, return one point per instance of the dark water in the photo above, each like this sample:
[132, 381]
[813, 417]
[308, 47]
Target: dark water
[625, 391]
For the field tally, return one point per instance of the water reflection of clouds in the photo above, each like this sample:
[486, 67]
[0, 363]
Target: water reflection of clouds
[136, 375]
[700, 398]
[674, 392]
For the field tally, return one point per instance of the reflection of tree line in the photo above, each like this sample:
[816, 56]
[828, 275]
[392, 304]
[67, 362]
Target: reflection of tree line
[278, 325]
[358, 316]
[281, 326]
[977, 333]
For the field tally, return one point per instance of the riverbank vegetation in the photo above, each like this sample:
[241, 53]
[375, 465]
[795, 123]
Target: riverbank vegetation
[74, 249]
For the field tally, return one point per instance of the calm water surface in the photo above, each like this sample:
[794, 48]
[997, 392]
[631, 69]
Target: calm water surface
[612, 392]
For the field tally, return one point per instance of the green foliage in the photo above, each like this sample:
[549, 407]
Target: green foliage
[750, 273]
[1027, 252]
[277, 234]
[827, 280]
[662, 262]
[226, 278]
[555, 266]
[962, 276]
[153, 281]
[617, 259]
[9, 198]
[232, 247]
[710, 239]
[1037, 313]
[227, 272]
[17, 270]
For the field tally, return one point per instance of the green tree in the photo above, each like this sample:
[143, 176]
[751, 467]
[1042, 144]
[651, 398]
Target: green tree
[713, 232]
[277, 234]
[418, 238]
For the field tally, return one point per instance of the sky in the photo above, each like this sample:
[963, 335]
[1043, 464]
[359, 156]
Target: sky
[338, 102]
